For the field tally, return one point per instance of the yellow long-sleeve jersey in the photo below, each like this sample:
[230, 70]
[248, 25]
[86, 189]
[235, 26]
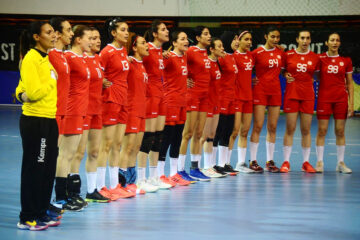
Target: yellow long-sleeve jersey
[38, 79]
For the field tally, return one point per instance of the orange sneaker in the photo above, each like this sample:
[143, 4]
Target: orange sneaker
[179, 180]
[166, 180]
[121, 192]
[133, 188]
[285, 167]
[106, 193]
[306, 167]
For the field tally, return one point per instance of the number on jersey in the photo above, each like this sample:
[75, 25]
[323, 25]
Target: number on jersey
[301, 67]
[333, 69]
[273, 63]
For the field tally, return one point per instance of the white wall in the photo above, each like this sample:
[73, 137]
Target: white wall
[182, 7]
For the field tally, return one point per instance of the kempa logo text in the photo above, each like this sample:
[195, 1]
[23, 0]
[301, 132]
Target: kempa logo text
[42, 150]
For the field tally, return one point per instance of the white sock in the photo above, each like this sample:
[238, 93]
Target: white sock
[253, 150]
[91, 181]
[207, 160]
[193, 157]
[287, 153]
[114, 177]
[100, 178]
[181, 162]
[153, 172]
[270, 148]
[213, 157]
[320, 153]
[306, 154]
[141, 174]
[229, 156]
[241, 155]
[340, 152]
[173, 166]
[161, 167]
[223, 154]
[198, 159]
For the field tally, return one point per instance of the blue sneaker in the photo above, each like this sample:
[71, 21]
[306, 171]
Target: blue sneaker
[186, 176]
[196, 174]
[51, 222]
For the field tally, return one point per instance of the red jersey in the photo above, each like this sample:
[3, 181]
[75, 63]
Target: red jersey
[95, 87]
[137, 80]
[199, 66]
[229, 73]
[175, 80]
[79, 85]
[302, 67]
[215, 76]
[245, 64]
[58, 60]
[332, 87]
[154, 65]
[116, 68]
[268, 64]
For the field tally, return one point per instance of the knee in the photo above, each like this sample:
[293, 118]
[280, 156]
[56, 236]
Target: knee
[244, 133]
[93, 154]
[305, 131]
[272, 128]
[322, 132]
[290, 130]
[339, 132]
[257, 128]
[187, 135]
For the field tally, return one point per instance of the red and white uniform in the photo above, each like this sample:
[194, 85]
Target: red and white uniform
[116, 68]
[78, 98]
[58, 60]
[215, 76]
[154, 65]
[268, 64]
[333, 95]
[244, 97]
[93, 117]
[137, 80]
[199, 71]
[229, 73]
[175, 87]
[299, 95]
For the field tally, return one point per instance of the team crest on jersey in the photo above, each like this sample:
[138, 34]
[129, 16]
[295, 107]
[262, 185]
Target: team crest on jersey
[278, 56]
[271, 54]
[182, 60]
[341, 63]
[302, 58]
[159, 53]
[94, 62]
[333, 60]
[246, 57]
[122, 54]
[309, 62]
[205, 54]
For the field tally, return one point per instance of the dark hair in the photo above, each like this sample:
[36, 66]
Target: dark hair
[242, 33]
[198, 31]
[175, 37]
[270, 29]
[154, 28]
[212, 44]
[303, 30]
[332, 34]
[27, 40]
[111, 24]
[56, 23]
[132, 43]
[227, 37]
[79, 31]
[94, 29]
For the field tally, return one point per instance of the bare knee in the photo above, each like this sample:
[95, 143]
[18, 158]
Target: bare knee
[272, 129]
[340, 132]
[322, 132]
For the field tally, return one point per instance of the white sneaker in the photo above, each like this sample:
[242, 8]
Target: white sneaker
[158, 183]
[341, 167]
[147, 187]
[243, 168]
[210, 172]
[319, 167]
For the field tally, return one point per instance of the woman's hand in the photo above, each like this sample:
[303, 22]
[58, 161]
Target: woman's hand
[190, 83]
[255, 81]
[350, 111]
[289, 78]
[106, 83]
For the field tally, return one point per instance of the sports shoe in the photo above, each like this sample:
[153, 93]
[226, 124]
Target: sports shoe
[285, 167]
[79, 199]
[121, 192]
[211, 173]
[179, 180]
[51, 222]
[96, 197]
[243, 168]
[53, 214]
[58, 209]
[255, 166]
[133, 188]
[157, 182]
[341, 167]
[220, 170]
[230, 170]
[147, 187]
[319, 167]
[164, 179]
[306, 167]
[70, 205]
[32, 225]
[196, 174]
[271, 167]
[184, 175]
[105, 192]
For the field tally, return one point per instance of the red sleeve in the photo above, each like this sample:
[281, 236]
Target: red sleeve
[104, 58]
[349, 66]
[283, 56]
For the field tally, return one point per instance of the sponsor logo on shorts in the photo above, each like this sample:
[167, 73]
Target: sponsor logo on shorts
[153, 113]
[79, 129]
[256, 100]
[173, 116]
[222, 108]
[133, 128]
[112, 119]
[193, 106]
[42, 150]
[288, 108]
[320, 110]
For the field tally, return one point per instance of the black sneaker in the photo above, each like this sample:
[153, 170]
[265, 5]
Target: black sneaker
[220, 170]
[229, 169]
[70, 205]
[51, 222]
[55, 209]
[79, 199]
[96, 197]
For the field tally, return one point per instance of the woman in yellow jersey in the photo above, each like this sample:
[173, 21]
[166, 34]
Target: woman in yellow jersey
[38, 127]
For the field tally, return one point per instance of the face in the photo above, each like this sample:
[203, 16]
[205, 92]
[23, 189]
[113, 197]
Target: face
[333, 42]
[46, 39]
[95, 41]
[121, 34]
[162, 34]
[303, 40]
[66, 35]
[85, 41]
[182, 43]
[235, 43]
[218, 49]
[273, 38]
[245, 42]
[205, 37]
[141, 47]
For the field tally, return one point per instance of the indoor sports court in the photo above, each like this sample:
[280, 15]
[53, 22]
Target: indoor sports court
[299, 204]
